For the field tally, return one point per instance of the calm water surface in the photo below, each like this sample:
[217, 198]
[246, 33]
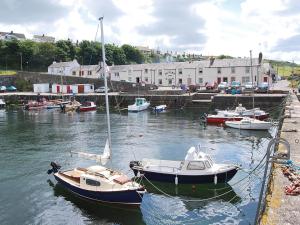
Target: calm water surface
[30, 140]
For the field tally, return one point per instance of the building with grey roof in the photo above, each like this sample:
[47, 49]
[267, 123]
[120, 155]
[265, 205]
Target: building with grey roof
[11, 36]
[43, 38]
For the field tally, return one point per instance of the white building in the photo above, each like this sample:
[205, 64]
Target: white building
[89, 71]
[193, 73]
[43, 38]
[63, 68]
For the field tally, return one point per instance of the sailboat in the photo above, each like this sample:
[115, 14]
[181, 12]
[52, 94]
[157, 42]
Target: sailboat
[97, 182]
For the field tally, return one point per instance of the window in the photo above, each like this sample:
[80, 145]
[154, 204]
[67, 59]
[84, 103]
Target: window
[89, 72]
[196, 165]
[146, 79]
[200, 70]
[170, 81]
[247, 69]
[245, 79]
[81, 73]
[159, 72]
[232, 69]
[207, 164]
[129, 78]
[74, 73]
[117, 74]
[146, 70]
[92, 182]
[219, 70]
[225, 79]
[159, 81]
[179, 71]
[180, 81]
[232, 79]
[200, 80]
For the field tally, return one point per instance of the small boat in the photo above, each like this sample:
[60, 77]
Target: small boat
[97, 182]
[256, 113]
[2, 104]
[36, 105]
[72, 106]
[87, 106]
[197, 168]
[159, 108]
[223, 116]
[249, 124]
[139, 105]
[236, 115]
[56, 104]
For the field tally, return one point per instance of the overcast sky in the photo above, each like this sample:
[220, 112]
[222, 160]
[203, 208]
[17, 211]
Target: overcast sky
[208, 27]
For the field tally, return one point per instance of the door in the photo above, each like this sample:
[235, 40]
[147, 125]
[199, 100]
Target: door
[219, 80]
[57, 89]
[81, 88]
[189, 81]
[265, 79]
[225, 79]
[68, 89]
[137, 80]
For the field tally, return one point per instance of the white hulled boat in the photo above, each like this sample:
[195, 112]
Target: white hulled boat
[97, 182]
[249, 124]
[2, 103]
[140, 104]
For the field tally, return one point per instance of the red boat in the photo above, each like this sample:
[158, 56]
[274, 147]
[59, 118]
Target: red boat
[88, 106]
[236, 115]
[223, 116]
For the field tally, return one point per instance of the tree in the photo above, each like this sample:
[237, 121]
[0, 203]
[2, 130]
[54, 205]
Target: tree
[133, 55]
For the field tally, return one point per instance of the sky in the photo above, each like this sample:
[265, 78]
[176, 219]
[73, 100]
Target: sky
[207, 27]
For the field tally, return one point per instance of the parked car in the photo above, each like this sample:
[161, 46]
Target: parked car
[235, 84]
[101, 90]
[2, 89]
[11, 88]
[210, 85]
[223, 86]
[262, 87]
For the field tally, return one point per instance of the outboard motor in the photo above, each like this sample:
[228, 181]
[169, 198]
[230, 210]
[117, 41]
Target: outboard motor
[133, 164]
[55, 168]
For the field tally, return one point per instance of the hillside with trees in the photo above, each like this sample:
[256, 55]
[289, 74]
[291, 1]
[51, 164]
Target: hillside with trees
[36, 56]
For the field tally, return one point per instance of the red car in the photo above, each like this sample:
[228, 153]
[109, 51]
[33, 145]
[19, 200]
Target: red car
[211, 85]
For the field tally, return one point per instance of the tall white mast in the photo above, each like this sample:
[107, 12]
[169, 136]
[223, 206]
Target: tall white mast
[251, 70]
[105, 84]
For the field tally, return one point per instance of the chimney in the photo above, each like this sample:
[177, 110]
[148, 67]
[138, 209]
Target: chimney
[12, 32]
[43, 35]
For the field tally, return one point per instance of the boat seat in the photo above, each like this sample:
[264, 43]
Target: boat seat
[121, 179]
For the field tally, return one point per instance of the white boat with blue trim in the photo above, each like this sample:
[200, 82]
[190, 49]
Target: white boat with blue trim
[197, 168]
[97, 182]
[249, 124]
[140, 104]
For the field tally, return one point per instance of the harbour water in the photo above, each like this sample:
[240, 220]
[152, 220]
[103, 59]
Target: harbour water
[31, 140]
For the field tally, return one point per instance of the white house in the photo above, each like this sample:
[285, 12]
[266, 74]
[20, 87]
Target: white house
[43, 38]
[194, 73]
[63, 68]
[89, 71]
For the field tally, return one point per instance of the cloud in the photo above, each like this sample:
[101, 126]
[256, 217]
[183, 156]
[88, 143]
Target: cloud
[178, 21]
[291, 44]
[31, 11]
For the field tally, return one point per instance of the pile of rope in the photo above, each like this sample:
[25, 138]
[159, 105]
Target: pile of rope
[291, 172]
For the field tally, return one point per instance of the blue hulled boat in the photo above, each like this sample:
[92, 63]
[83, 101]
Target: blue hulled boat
[197, 168]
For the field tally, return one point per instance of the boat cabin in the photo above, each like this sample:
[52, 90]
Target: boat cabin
[140, 101]
[197, 160]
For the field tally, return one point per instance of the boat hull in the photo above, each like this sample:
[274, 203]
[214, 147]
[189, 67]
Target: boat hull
[219, 120]
[86, 109]
[128, 197]
[264, 126]
[138, 108]
[187, 179]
